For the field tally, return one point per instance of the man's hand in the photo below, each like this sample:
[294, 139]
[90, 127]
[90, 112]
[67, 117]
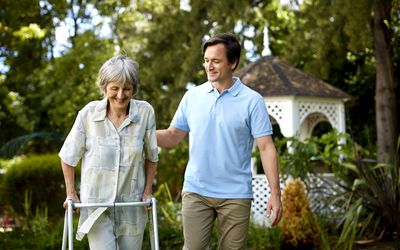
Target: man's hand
[274, 209]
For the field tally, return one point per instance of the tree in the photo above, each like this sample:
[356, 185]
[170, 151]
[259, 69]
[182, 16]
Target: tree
[332, 40]
[23, 49]
[386, 106]
[33, 83]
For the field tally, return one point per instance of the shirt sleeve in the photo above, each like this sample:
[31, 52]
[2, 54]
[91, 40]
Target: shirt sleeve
[150, 139]
[74, 145]
[259, 117]
[180, 118]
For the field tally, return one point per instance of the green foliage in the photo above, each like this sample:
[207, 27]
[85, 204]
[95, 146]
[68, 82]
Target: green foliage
[26, 30]
[350, 225]
[47, 236]
[372, 205]
[37, 181]
[34, 222]
[337, 41]
[298, 225]
[332, 40]
[32, 31]
[315, 154]
[327, 228]
[169, 219]
[261, 238]
[365, 194]
[171, 168]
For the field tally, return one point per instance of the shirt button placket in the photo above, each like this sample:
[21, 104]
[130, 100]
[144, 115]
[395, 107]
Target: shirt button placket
[117, 162]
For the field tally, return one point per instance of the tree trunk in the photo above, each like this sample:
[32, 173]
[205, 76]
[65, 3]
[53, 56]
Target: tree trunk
[385, 93]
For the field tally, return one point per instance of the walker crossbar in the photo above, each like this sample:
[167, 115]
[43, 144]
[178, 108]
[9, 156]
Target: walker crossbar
[116, 204]
[68, 220]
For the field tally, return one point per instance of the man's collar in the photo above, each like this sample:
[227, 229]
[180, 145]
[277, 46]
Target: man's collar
[208, 87]
[234, 89]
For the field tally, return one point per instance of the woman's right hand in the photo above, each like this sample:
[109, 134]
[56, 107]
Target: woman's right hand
[74, 197]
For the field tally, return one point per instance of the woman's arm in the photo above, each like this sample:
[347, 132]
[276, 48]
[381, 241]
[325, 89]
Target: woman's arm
[69, 177]
[150, 173]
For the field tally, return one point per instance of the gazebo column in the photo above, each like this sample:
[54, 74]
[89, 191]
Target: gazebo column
[342, 121]
[284, 111]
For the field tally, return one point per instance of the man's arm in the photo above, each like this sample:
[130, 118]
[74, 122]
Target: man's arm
[170, 137]
[270, 165]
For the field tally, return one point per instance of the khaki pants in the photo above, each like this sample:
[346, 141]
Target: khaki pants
[199, 214]
[102, 237]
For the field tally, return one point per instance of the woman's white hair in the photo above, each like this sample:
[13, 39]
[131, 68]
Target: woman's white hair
[119, 69]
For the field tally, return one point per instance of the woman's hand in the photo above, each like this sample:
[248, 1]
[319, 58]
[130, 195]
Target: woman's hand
[75, 199]
[147, 196]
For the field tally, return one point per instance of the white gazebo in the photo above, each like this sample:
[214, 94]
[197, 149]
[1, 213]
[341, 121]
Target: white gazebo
[296, 102]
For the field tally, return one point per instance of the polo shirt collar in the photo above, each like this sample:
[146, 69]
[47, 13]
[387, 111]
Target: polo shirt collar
[234, 89]
[100, 112]
[208, 87]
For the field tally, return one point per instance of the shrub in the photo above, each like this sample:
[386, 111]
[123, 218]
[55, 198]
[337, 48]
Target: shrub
[36, 180]
[47, 236]
[298, 223]
[261, 238]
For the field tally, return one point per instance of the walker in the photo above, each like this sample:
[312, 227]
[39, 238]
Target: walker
[68, 220]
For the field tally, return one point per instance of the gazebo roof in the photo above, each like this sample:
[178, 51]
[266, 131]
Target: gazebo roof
[271, 76]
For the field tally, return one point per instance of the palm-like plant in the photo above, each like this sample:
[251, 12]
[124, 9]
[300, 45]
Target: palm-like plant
[16, 145]
[373, 203]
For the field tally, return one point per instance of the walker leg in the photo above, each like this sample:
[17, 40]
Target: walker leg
[155, 224]
[151, 230]
[64, 241]
[70, 226]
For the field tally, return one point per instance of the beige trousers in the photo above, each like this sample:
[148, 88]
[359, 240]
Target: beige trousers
[199, 214]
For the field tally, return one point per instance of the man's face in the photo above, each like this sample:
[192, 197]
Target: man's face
[216, 64]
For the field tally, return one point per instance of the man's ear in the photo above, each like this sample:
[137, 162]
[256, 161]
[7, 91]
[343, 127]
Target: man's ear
[234, 65]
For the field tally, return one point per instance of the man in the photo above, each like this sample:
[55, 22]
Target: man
[223, 117]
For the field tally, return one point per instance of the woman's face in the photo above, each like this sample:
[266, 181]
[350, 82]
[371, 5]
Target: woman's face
[118, 95]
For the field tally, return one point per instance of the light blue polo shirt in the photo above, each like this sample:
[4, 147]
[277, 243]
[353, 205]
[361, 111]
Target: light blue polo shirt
[222, 127]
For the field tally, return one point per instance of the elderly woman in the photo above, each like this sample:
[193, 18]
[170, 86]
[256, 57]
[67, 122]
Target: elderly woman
[116, 140]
